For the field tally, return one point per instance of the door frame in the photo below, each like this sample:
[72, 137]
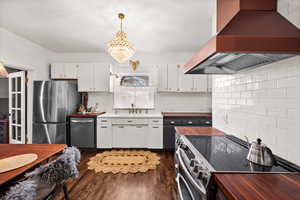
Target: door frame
[28, 72]
[19, 107]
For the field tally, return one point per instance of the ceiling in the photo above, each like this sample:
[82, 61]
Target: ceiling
[86, 26]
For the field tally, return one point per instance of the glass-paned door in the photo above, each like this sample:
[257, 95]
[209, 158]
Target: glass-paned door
[17, 108]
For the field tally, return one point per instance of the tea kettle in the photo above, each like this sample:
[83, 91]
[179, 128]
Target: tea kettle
[260, 154]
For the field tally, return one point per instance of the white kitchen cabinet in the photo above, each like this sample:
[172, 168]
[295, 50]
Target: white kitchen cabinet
[121, 136]
[101, 77]
[71, 70]
[129, 136]
[129, 132]
[173, 72]
[173, 79]
[186, 81]
[200, 83]
[162, 78]
[209, 83]
[93, 77]
[138, 136]
[86, 77]
[104, 136]
[155, 137]
[64, 70]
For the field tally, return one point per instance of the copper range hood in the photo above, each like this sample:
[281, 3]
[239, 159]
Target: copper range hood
[251, 33]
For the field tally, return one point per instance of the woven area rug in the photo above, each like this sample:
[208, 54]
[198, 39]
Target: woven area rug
[124, 161]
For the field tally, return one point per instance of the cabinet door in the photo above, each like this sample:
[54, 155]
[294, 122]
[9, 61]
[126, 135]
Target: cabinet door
[121, 136]
[71, 70]
[129, 136]
[101, 77]
[186, 81]
[209, 83]
[57, 71]
[162, 78]
[200, 83]
[86, 77]
[155, 137]
[138, 136]
[173, 78]
[104, 136]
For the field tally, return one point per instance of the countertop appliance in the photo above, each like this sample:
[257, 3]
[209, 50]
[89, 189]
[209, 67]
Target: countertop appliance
[250, 33]
[171, 122]
[83, 132]
[197, 157]
[53, 101]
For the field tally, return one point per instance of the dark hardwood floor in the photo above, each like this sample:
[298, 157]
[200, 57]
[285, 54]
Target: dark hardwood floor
[156, 184]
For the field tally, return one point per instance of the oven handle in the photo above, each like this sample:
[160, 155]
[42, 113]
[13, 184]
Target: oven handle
[179, 176]
[200, 186]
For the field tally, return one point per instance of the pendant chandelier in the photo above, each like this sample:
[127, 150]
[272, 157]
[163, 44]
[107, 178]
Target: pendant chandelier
[120, 48]
[3, 72]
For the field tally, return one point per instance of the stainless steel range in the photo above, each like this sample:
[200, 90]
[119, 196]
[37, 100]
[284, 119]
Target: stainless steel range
[198, 157]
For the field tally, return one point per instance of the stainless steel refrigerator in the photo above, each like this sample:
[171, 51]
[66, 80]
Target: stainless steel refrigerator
[53, 101]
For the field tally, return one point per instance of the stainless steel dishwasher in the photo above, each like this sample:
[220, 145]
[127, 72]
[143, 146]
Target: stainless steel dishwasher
[83, 132]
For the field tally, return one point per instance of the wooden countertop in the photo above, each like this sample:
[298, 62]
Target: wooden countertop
[259, 186]
[198, 130]
[86, 115]
[182, 114]
[44, 151]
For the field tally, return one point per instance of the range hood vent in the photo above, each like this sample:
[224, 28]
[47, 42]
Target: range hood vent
[250, 34]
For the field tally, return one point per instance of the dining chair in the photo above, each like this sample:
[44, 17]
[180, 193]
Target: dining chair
[46, 181]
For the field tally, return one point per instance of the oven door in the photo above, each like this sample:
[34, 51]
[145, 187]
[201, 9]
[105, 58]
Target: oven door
[197, 188]
[184, 190]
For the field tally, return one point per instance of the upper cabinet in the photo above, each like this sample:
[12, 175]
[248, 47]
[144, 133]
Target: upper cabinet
[173, 79]
[162, 74]
[93, 77]
[64, 71]
[186, 81]
[173, 75]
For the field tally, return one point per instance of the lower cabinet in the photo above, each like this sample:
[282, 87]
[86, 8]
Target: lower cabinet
[155, 137]
[129, 134]
[104, 136]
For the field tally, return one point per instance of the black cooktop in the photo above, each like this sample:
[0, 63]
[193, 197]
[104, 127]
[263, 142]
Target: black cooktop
[227, 155]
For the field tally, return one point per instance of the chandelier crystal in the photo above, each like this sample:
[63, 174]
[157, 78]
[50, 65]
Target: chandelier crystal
[120, 48]
[3, 72]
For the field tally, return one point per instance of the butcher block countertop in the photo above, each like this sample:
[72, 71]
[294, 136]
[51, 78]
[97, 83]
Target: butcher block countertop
[259, 186]
[86, 115]
[198, 130]
[182, 114]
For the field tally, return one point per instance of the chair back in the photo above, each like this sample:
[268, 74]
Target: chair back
[42, 181]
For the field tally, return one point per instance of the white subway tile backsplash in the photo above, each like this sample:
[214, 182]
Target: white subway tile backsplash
[293, 92]
[289, 82]
[265, 103]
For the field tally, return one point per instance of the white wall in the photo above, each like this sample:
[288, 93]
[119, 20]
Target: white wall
[180, 102]
[21, 53]
[263, 102]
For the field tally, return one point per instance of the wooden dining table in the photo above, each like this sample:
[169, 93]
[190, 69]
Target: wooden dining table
[43, 151]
